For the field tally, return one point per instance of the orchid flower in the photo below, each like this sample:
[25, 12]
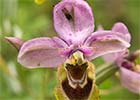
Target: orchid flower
[129, 68]
[130, 72]
[72, 50]
[74, 23]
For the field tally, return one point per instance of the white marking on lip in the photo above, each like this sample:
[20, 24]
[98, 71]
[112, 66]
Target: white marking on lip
[79, 82]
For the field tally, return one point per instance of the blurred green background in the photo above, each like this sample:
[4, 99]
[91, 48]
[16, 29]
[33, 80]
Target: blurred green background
[26, 20]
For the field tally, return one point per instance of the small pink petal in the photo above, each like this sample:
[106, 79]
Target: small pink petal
[130, 80]
[122, 29]
[41, 52]
[104, 42]
[111, 57]
[16, 42]
[115, 57]
[73, 20]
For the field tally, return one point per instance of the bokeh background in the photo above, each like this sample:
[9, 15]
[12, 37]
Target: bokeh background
[26, 20]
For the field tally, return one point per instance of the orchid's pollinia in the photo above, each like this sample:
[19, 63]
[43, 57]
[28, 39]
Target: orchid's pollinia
[75, 47]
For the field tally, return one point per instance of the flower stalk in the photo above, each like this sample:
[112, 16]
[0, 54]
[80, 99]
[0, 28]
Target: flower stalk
[104, 72]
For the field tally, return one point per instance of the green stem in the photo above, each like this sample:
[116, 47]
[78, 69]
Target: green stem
[104, 72]
[103, 67]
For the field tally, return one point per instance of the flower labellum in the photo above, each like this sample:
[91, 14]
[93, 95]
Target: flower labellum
[74, 23]
[77, 79]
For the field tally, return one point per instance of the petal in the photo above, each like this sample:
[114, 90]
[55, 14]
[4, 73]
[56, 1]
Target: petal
[122, 29]
[111, 57]
[116, 57]
[41, 52]
[104, 42]
[130, 80]
[73, 20]
[16, 42]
